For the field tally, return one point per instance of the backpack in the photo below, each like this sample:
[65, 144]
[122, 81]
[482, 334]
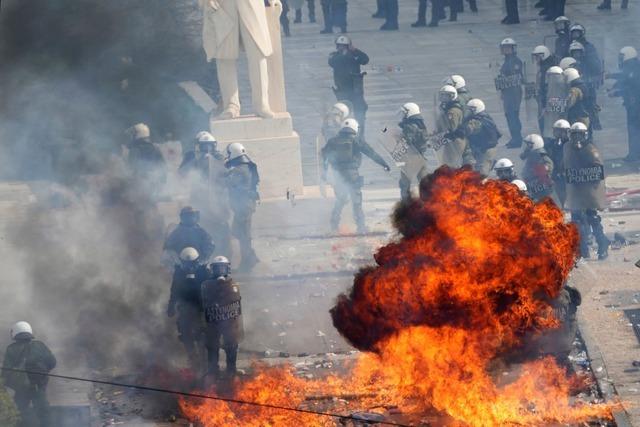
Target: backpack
[490, 133]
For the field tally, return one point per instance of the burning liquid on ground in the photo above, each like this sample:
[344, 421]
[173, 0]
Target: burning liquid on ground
[468, 281]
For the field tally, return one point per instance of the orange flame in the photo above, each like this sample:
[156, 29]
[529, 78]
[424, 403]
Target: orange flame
[475, 270]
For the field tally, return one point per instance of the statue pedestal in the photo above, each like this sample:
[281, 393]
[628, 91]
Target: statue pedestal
[272, 144]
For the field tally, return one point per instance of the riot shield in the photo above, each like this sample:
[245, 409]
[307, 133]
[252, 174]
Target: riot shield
[556, 108]
[405, 156]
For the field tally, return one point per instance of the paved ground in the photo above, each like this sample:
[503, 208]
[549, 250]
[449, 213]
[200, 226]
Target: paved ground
[287, 300]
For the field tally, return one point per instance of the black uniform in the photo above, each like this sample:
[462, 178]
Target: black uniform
[223, 315]
[312, 12]
[335, 15]
[30, 389]
[209, 195]
[627, 86]
[348, 80]
[284, 18]
[513, 17]
[190, 236]
[147, 164]
[391, 15]
[185, 293]
[562, 43]
[344, 154]
[512, 70]
[242, 185]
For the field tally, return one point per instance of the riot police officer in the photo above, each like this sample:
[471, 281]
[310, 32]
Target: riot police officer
[584, 174]
[567, 62]
[561, 25]
[555, 147]
[242, 184]
[204, 169]
[522, 186]
[414, 133]
[541, 55]
[556, 101]
[591, 64]
[509, 84]
[188, 234]
[452, 146]
[458, 82]
[26, 353]
[505, 170]
[483, 135]
[333, 120]
[579, 103]
[146, 163]
[344, 154]
[349, 79]
[627, 86]
[222, 306]
[185, 296]
[538, 168]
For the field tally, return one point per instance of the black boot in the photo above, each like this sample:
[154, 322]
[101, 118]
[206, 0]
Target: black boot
[419, 23]
[605, 5]
[298, 16]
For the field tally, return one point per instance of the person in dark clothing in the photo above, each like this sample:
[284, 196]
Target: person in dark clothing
[242, 184]
[344, 154]
[223, 315]
[284, 18]
[187, 234]
[335, 15]
[455, 7]
[185, 295]
[551, 9]
[537, 170]
[311, 4]
[414, 134]
[606, 5]
[380, 9]
[28, 354]
[146, 163]
[591, 65]
[391, 16]
[483, 135]
[513, 17]
[349, 79]
[561, 25]
[204, 170]
[509, 84]
[627, 86]
[579, 101]
[437, 13]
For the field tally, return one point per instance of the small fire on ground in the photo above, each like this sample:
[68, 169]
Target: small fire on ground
[468, 282]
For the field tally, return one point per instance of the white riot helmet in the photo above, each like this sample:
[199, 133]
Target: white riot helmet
[561, 24]
[350, 126]
[567, 62]
[340, 109]
[447, 93]
[140, 131]
[220, 267]
[343, 40]
[189, 254]
[571, 74]
[576, 50]
[508, 43]
[205, 137]
[561, 129]
[554, 71]
[410, 109]
[456, 81]
[476, 106]
[541, 52]
[578, 134]
[626, 53]
[504, 169]
[534, 142]
[520, 184]
[21, 327]
[235, 150]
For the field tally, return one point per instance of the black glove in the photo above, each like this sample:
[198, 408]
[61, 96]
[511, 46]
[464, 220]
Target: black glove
[171, 310]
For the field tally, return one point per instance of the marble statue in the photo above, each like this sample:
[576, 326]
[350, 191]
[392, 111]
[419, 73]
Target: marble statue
[228, 26]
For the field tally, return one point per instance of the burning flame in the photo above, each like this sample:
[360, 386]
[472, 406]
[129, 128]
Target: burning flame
[473, 273]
